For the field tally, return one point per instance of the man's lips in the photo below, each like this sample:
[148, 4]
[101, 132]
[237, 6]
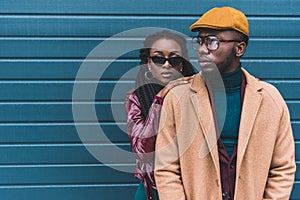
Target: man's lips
[204, 61]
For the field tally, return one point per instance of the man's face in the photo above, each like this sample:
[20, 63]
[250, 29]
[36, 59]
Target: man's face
[224, 57]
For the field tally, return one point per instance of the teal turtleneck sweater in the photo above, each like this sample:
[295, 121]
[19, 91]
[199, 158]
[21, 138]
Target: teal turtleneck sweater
[229, 132]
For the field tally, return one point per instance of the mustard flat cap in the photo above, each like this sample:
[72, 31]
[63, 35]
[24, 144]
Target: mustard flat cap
[222, 19]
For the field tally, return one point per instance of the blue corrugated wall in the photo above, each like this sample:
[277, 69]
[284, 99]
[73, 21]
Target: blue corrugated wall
[42, 46]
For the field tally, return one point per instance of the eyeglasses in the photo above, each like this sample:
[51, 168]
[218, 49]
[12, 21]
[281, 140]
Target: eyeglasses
[211, 42]
[160, 61]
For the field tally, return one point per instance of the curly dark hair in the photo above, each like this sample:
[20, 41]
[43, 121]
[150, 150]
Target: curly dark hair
[147, 90]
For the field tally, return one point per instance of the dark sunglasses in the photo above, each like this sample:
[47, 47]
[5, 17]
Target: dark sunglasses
[160, 61]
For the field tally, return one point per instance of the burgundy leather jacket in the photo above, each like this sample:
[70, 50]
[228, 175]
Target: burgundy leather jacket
[142, 134]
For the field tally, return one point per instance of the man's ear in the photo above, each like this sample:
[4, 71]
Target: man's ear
[240, 49]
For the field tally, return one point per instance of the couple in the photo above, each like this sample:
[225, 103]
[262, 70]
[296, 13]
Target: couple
[210, 137]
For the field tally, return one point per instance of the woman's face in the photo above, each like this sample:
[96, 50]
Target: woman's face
[169, 70]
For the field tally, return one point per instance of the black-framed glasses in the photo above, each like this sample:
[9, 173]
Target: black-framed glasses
[211, 42]
[160, 61]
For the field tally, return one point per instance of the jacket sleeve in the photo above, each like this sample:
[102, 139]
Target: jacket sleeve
[281, 175]
[167, 164]
[142, 132]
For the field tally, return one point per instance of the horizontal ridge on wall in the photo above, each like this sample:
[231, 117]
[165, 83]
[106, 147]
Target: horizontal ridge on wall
[80, 48]
[106, 26]
[66, 69]
[186, 7]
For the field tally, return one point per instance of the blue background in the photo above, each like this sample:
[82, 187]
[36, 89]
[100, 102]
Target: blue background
[43, 44]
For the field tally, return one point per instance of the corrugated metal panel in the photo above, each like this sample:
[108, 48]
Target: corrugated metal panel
[43, 44]
[148, 7]
[68, 25]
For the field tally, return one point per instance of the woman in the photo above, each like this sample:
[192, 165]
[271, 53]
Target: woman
[163, 62]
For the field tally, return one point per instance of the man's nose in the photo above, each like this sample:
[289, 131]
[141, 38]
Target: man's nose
[202, 49]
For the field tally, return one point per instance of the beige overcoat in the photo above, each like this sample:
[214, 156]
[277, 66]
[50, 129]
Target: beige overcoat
[187, 162]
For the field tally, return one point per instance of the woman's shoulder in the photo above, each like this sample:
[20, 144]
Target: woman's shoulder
[130, 94]
[131, 97]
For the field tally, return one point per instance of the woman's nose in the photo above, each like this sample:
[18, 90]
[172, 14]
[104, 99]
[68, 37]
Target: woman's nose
[167, 64]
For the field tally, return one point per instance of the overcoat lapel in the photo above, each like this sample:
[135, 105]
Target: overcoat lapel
[202, 107]
[251, 105]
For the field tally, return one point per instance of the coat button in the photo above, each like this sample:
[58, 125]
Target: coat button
[224, 194]
[232, 166]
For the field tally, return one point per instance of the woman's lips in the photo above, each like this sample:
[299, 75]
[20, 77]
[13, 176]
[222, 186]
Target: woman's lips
[166, 74]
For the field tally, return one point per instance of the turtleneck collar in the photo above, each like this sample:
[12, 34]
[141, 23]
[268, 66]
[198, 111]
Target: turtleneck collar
[232, 80]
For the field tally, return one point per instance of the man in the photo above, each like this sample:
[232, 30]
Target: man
[203, 151]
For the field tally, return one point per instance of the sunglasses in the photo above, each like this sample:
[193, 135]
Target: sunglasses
[160, 61]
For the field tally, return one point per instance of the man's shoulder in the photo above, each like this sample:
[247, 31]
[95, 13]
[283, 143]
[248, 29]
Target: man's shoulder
[269, 91]
[265, 86]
